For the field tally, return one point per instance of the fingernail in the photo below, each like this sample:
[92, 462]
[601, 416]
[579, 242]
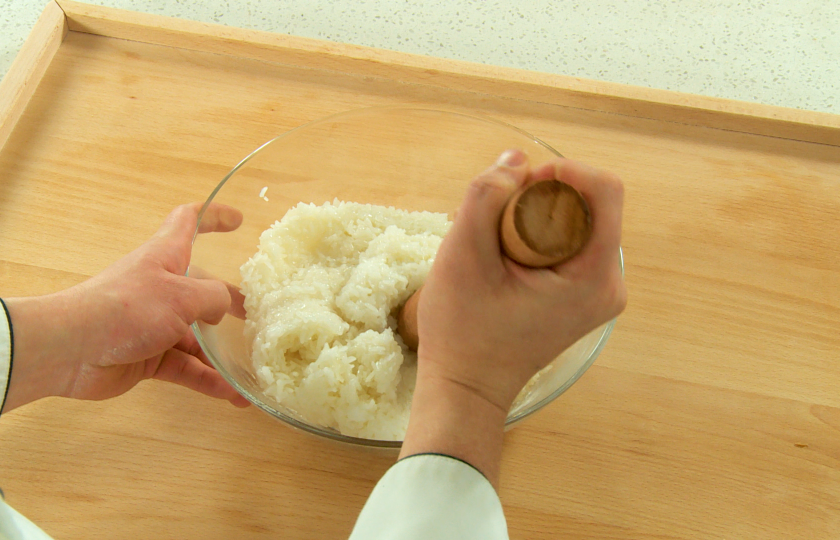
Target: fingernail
[511, 158]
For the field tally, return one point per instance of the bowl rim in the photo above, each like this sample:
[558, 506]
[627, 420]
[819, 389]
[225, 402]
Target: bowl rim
[511, 421]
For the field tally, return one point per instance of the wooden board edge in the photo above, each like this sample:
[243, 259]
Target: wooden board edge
[29, 66]
[664, 105]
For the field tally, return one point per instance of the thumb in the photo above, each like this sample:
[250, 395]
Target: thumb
[476, 224]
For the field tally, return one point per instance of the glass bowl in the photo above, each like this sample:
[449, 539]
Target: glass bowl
[409, 158]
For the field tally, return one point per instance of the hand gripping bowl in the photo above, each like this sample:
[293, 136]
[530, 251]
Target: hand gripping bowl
[409, 158]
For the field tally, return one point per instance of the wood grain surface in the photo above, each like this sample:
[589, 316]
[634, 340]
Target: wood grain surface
[713, 412]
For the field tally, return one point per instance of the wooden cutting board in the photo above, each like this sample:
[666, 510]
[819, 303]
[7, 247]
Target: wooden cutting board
[713, 412]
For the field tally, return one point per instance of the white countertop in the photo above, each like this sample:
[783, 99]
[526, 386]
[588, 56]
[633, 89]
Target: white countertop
[778, 52]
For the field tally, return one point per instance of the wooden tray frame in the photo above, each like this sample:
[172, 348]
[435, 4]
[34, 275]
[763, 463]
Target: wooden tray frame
[61, 17]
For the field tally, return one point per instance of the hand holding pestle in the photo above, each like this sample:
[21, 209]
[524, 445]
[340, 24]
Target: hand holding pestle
[544, 224]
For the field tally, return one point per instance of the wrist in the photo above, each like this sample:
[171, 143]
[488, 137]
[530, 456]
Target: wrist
[452, 419]
[46, 334]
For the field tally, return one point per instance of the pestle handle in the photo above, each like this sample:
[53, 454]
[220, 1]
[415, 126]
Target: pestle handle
[544, 224]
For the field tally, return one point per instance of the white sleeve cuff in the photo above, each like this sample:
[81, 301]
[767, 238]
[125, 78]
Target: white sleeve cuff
[14, 526]
[432, 496]
[6, 352]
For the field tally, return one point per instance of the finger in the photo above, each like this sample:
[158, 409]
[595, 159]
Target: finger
[237, 299]
[476, 225]
[178, 367]
[189, 344]
[604, 194]
[220, 218]
[181, 223]
[237, 302]
[203, 299]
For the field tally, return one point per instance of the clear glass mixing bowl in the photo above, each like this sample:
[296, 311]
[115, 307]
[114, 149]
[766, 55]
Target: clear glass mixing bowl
[409, 158]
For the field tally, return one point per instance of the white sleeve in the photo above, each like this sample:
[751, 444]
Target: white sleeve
[432, 496]
[6, 351]
[14, 526]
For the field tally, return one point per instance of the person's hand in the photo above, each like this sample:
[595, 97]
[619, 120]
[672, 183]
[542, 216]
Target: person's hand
[131, 322]
[490, 324]
[487, 324]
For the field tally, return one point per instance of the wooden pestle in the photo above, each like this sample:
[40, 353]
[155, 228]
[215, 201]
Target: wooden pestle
[543, 224]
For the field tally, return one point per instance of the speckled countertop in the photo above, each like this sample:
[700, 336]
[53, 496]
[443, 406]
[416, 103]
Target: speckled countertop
[778, 52]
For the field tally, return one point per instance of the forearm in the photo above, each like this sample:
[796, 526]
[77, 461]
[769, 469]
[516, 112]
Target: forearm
[45, 330]
[448, 418]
